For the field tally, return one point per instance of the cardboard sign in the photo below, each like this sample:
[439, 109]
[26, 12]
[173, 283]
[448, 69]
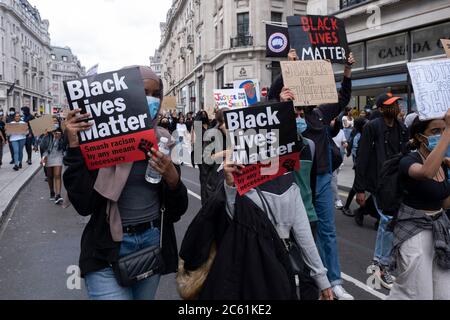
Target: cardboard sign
[120, 117]
[431, 82]
[446, 45]
[312, 82]
[251, 88]
[319, 38]
[277, 41]
[169, 103]
[265, 141]
[16, 128]
[230, 98]
[41, 125]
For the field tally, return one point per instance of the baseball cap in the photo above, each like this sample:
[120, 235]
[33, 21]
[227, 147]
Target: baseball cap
[386, 99]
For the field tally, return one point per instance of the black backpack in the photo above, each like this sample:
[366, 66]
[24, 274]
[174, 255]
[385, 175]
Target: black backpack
[390, 191]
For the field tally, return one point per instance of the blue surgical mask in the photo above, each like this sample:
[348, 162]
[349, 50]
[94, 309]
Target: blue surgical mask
[433, 141]
[302, 126]
[154, 104]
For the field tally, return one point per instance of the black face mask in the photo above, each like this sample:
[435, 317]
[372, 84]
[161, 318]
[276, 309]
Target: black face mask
[164, 125]
[391, 112]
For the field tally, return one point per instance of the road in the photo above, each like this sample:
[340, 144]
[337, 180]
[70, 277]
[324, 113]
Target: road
[39, 243]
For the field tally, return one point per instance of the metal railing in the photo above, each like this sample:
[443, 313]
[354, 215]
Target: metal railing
[241, 41]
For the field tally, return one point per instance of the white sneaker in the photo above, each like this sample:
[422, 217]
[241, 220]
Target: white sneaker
[339, 205]
[340, 293]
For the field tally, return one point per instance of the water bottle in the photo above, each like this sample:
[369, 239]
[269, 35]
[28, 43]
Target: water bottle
[152, 176]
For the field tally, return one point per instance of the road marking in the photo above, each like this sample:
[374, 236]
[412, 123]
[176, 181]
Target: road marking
[363, 286]
[191, 182]
[346, 277]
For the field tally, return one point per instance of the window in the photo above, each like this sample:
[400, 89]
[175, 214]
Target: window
[349, 3]
[220, 78]
[243, 24]
[201, 93]
[387, 51]
[276, 17]
[53, 57]
[64, 58]
[426, 41]
[192, 97]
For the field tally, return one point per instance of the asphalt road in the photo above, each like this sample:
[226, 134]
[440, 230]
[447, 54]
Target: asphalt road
[39, 243]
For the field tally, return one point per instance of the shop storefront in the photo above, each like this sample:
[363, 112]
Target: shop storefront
[382, 63]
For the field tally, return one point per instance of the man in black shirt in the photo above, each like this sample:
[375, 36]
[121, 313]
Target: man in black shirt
[381, 139]
[2, 136]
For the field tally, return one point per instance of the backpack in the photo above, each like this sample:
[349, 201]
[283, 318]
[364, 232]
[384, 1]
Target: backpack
[389, 190]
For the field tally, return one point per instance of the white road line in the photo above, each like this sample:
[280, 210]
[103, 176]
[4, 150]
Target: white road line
[346, 277]
[191, 182]
[363, 286]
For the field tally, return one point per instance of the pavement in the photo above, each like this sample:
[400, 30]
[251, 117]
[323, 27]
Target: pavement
[12, 182]
[39, 243]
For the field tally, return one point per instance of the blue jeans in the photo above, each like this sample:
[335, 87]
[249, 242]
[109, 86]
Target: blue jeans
[326, 229]
[385, 239]
[18, 150]
[102, 285]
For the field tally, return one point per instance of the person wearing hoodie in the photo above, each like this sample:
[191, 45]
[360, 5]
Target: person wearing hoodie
[27, 117]
[10, 118]
[128, 214]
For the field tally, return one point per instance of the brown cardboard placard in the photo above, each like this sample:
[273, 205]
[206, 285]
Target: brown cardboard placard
[312, 82]
[41, 125]
[169, 103]
[16, 128]
[446, 45]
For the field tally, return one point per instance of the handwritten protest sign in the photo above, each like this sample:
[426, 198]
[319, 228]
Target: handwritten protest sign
[169, 103]
[312, 82]
[120, 117]
[318, 38]
[251, 88]
[16, 128]
[446, 45]
[431, 82]
[41, 125]
[230, 98]
[265, 142]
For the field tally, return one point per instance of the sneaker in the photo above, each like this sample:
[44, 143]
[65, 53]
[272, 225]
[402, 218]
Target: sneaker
[52, 196]
[29, 162]
[359, 217]
[386, 278]
[12, 162]
[340, 293]
[339, 205]
[16, 168]
[347, 212]
[20, 165]
[59, 200]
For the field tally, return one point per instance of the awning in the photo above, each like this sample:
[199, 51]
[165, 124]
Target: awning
[378, 82]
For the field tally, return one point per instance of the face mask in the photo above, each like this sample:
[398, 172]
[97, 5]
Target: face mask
[154, 105]
[12, 113]
[1, 114]
[55, 126]
[302, 126]
[433, 141]
[391, 112]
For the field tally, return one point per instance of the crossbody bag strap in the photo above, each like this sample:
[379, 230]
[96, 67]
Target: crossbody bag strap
[266, 205]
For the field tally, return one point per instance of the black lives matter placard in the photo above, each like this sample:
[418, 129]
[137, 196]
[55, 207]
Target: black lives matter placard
[318, 38]
[120, 117]
[265, 141]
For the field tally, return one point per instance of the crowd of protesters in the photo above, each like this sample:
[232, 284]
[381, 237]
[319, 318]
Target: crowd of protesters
[241, 245]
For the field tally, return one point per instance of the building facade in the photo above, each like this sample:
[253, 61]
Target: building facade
[25, 57]
[384, 36]
[65, 66]
[209, 44]
[155, 63]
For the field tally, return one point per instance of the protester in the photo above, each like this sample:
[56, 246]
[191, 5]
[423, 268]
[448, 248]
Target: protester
[18, 142]
[203, 118]
[421, 232]
[127, 213]
[2, 136]
[318, 120]
[53, 148]
[382, 139]
[27, 117]
[348, 123]
[10, 118]
[182, 139]
[341, 142]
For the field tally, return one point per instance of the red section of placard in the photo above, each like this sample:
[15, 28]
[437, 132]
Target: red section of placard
[255, 175]
[111, 152]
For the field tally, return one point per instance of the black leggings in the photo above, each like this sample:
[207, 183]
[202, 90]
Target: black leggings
[350, 198]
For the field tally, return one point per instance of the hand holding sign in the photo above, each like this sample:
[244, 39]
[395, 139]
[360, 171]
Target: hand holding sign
[75, 124]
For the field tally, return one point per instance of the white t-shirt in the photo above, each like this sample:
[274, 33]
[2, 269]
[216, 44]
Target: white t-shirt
[17, 137]
[339, 140]
[350, 123]
[181, 130]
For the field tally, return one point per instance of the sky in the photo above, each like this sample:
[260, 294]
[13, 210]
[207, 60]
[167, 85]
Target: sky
[112, 33]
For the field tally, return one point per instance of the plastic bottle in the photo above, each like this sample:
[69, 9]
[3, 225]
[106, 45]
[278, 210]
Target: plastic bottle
[152, 176]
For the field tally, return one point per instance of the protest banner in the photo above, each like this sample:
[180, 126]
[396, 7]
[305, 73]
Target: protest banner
[230, 98]
[41, 125]
[318, 38]
[446, 45]
[431, 83]
[277, 41]
[264, 138]
[169, 103]
[312, 82]
[251, 88]
[16, 128]
[120, 117]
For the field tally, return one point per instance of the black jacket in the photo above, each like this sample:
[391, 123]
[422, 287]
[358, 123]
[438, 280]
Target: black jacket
[372, 153]
[251, 262]
[98, 250]
[319, 121]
